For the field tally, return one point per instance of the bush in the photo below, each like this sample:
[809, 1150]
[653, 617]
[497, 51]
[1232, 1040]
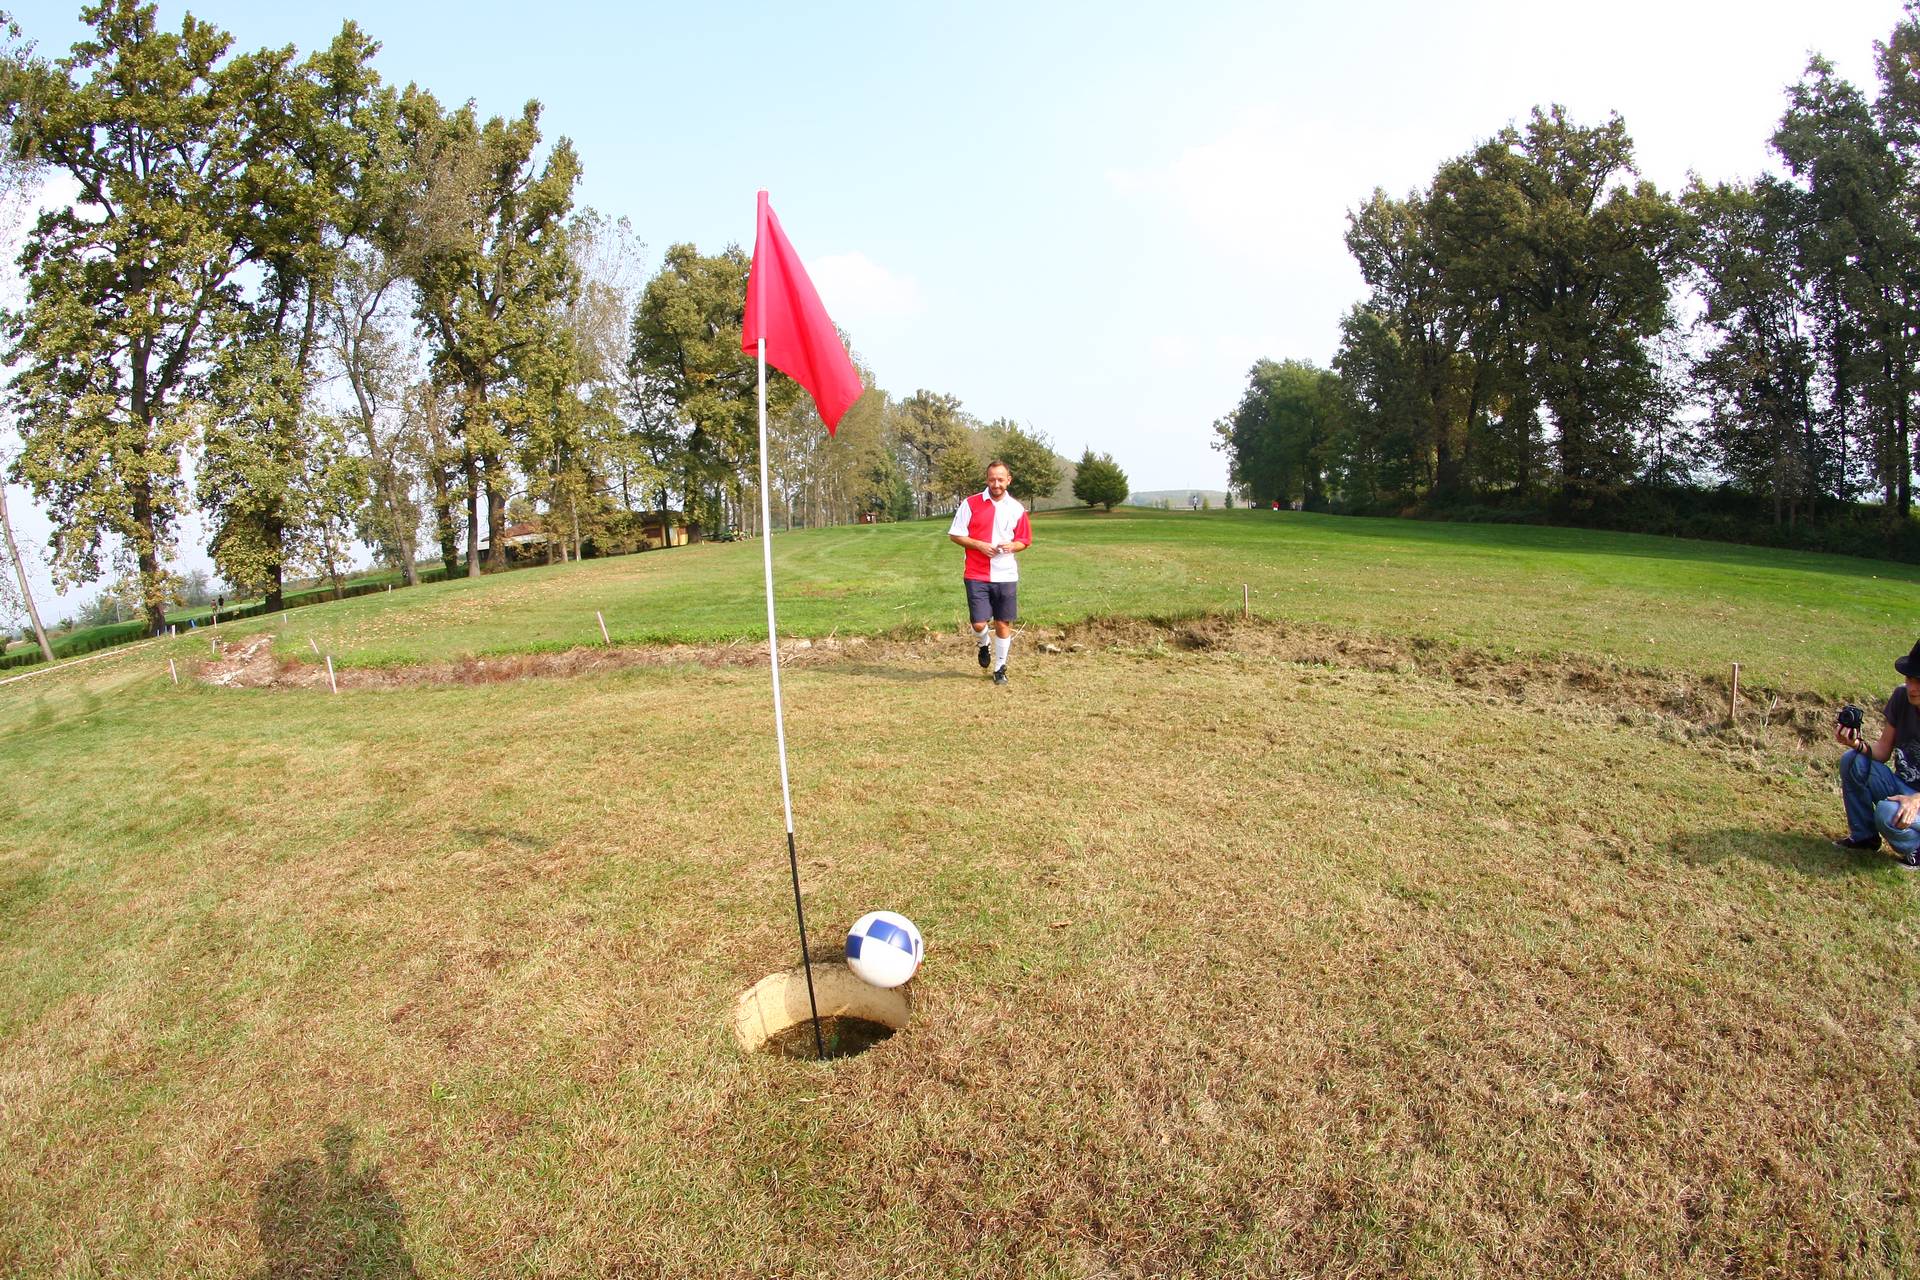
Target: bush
[1721, 514]
[1099, 481]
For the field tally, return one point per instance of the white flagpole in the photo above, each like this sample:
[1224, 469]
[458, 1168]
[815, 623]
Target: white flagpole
[779, 715]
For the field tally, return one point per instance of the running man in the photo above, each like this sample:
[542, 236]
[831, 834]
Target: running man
[992, 526]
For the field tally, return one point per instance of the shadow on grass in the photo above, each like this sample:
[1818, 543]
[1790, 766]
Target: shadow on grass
[1784, 850]
[318, 1222]
[906, 675]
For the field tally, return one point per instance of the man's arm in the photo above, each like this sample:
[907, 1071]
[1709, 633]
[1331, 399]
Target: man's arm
[1881, 750]
[972, 544]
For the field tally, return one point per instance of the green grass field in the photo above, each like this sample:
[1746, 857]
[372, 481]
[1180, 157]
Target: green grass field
[1794, 620]
[1264, 960]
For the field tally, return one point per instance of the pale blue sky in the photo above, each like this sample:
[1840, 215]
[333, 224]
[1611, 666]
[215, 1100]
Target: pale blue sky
[1090, 218]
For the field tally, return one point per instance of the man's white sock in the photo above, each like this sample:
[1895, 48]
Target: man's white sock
[981, 638]
[1000, 646]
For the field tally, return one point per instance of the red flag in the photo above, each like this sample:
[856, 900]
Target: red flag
[783, 308]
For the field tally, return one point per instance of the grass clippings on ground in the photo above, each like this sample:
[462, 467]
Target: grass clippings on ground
[1241, 961]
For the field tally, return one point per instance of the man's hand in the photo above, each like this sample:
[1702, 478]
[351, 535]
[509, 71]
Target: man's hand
[1908, 811]
[1848, 738]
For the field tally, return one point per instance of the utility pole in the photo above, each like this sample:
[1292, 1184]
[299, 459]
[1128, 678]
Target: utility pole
[26, 593]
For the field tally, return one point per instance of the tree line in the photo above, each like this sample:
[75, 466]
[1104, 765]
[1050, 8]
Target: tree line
[1547, 336]
[325, 311]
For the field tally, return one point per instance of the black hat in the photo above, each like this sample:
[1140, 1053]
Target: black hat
[1909, 665]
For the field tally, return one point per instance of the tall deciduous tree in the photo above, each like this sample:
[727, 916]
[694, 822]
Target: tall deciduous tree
[686, 355]
[1757, 372]
[129, 286]
[488, 251]
[316, 180]
[1280, 439]
[1587, 261]
[926, 425]
[1029, 455]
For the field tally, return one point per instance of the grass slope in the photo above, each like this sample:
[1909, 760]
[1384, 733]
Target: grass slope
[1794, 620]
[1322, 971]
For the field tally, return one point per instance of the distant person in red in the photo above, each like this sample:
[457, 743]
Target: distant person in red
[992, 526]
[1276, 504]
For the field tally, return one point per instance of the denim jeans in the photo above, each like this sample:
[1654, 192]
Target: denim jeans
[1867, 787]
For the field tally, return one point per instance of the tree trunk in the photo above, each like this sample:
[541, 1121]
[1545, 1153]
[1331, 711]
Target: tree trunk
[443, 518]
[472, 469]
[276, 586]
[20, 568]
[146, 551]
[496, 519]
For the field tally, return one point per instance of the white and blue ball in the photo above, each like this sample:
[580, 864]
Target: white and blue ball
[884, 948]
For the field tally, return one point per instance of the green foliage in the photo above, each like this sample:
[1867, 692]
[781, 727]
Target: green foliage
[1029, 456]
[1099, 481]
[1281, 440]
[197, 173]
[487, 247]
[685, 352]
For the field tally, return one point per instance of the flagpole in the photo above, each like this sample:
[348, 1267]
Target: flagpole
[779, 716]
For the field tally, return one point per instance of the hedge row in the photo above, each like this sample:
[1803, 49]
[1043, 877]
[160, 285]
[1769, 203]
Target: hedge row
[75, 643]
[89, 639]
[1722, 515]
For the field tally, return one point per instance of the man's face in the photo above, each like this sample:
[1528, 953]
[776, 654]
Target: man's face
[998, 478]
[1913, 690]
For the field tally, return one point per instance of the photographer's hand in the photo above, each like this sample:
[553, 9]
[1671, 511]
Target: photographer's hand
[1908, 811]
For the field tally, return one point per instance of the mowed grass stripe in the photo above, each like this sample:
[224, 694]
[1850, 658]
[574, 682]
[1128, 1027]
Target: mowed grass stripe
[1795, 621]
[1250, 968]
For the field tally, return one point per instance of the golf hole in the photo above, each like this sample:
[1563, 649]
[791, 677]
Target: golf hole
[772, 1015]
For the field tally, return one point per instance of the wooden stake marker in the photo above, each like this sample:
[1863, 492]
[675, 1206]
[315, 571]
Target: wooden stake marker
[604, 637]
[313, 646]
[1733, 696]
[173, 671]
[334, 684]
[1246, 601]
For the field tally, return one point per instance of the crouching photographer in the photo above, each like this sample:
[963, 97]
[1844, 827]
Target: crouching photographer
[1880, 782]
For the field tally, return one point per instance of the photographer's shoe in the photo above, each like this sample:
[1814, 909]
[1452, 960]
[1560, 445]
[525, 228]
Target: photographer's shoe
[1861, 843]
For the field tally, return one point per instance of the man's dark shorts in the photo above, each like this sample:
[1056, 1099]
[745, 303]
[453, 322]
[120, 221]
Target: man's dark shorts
[992, 601]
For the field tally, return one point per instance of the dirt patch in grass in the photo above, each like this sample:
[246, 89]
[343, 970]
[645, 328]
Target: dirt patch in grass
[1686, 703]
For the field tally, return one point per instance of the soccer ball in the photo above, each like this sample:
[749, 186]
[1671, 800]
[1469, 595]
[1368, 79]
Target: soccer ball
[884, 948]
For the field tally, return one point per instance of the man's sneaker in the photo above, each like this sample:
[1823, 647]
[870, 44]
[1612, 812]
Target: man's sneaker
[1000, 674]
[986, 656]
[1856, 842]
[1910, 861]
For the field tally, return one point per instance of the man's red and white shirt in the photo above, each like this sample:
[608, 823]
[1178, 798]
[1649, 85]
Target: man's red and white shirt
[993, 523]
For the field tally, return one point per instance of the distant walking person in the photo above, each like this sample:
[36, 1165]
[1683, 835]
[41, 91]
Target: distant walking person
[1880, 780]
[992, 526]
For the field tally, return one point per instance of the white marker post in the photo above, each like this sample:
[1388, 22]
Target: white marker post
[779, 716]
[313, 646]
[334, 684]
[173, 671]
[604, 637]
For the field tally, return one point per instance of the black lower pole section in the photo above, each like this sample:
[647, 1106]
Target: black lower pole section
[806, 961]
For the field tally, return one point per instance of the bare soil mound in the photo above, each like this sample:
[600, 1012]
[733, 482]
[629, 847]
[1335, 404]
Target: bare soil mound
[1691, 703]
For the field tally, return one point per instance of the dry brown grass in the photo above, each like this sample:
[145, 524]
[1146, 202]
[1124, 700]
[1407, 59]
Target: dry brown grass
[1270, 960]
